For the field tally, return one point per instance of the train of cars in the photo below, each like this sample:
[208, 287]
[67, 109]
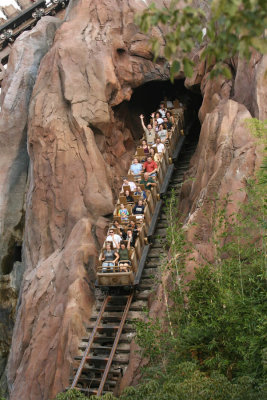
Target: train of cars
[117, 276]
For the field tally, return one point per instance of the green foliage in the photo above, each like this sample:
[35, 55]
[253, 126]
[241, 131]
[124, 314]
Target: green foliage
[74, 394]
[71, 394]
[232, 27]
[259, 130]
[214, 346]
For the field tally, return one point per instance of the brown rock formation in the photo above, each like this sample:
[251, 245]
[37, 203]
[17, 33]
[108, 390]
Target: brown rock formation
[226, 155]
[15, 96]
[78, 152]
[79, 147]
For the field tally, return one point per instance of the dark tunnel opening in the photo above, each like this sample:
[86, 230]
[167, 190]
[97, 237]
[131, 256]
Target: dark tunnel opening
[146, 99]
[14, 254]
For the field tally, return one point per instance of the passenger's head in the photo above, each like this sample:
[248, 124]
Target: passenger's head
[146, 175]
[162, 105]
[127, 193]
[140, 202]
[129, 232]
[156, 123]
[149, 159]
[132, 224]
[168, 114]
[158, 141]
[152, 151]
[138, 189]
[116, 223]
[165, 119]
[109, 246]
[122, 205]
[158, 115]
[149, 126]
[135, 160]
[125, 181]
[122, 245]
[161, 127]
[144, 142]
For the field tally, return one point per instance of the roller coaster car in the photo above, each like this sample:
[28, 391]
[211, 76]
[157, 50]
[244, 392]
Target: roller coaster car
[118, 276]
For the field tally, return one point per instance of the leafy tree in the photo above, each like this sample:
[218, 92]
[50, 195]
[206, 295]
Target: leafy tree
[72, 394]
[230, 27]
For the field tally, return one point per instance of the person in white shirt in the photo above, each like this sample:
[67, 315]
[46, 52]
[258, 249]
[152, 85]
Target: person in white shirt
[160, 146]
[128, 183]
[162, 110]
[114, 238]
[159, 118]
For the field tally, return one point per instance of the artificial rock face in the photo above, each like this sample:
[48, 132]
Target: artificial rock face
[16, 89]
[78, 152]
[79, 147]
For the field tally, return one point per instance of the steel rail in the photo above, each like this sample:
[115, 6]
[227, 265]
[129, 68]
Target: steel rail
[91, 340]
[115, 344]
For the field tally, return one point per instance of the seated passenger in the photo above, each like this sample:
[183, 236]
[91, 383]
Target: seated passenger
[159, 118]
[160, 146]
[128, 196]
[170, 117]
[148, 182]
[140, 192]
[156, 125]
[150, 166]
[114, 238]
[149, 131]
[131, 237]
[134, 228]
[155, 156]
[128, 183]
[123, 213]
[162, 134]
[109, 259]
[138, 209]
[162, 110]
[120, 228]
[167, 124]
[145, 147]
[124, 261]
[136, 168]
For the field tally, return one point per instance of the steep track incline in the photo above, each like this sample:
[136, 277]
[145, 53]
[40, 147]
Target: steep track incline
[89, 377]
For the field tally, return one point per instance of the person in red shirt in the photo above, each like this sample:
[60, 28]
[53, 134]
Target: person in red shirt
[150, 166]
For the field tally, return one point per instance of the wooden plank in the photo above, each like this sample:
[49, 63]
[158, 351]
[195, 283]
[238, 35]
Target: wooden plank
[116, 341]
[89, 345]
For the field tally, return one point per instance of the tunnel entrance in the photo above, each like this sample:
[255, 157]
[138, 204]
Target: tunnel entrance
[146, 99]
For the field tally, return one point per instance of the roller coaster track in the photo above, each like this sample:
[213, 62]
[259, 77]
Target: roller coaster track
[107, 350]
[19, 20]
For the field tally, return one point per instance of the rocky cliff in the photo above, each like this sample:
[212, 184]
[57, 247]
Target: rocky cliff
[81, 133]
